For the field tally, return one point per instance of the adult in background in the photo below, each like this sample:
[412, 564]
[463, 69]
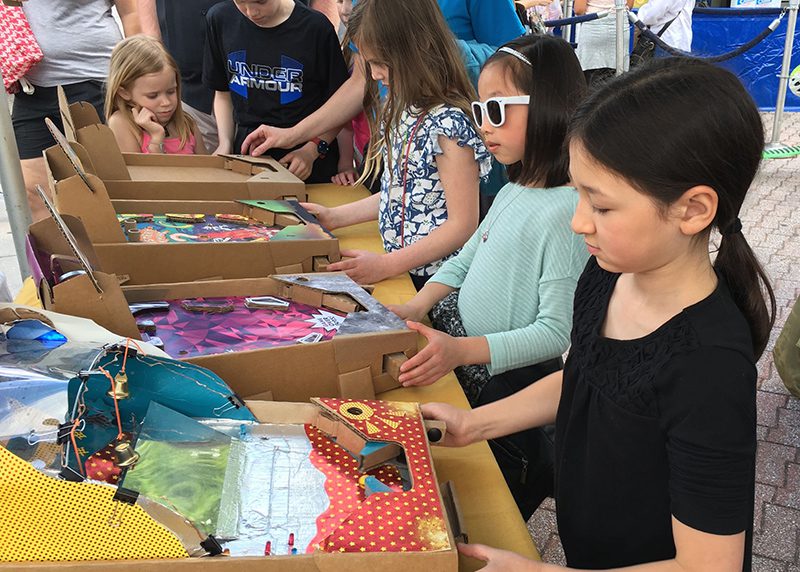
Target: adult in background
[182, 28]
[672, 20]
[597, 41]
[76, 37]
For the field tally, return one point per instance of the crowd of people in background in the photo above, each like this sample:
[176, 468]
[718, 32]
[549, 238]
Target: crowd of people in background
[511, 181]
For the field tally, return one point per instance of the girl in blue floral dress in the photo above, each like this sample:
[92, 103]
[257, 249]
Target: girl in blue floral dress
[422, 133]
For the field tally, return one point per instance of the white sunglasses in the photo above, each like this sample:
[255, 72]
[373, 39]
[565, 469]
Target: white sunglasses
[494, 109]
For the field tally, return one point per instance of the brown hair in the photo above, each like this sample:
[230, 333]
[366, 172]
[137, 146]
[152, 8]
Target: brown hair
[413, 40]
[131, 59]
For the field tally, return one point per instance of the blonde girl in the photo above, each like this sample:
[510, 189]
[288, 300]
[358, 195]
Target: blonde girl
[143, 101]
[422, 133]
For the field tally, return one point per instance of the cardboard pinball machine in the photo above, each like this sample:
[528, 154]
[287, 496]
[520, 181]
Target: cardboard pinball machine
[246, 235]
[171, 177]
[320, 328]
[115, 459]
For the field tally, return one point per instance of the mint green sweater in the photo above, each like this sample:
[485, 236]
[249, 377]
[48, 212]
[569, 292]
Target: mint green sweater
[516, 288]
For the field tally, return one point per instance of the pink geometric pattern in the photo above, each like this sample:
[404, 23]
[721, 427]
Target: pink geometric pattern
[191, 334]
[19, 51]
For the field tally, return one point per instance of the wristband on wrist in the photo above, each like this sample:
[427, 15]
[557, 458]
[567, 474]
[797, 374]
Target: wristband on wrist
[160, 146]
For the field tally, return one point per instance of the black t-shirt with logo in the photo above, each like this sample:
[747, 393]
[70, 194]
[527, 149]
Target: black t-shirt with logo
[277, 76]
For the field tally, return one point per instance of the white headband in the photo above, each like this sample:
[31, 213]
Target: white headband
[516, 54]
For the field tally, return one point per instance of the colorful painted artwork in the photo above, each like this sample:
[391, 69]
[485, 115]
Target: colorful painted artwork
[161, 230]
[198, 327]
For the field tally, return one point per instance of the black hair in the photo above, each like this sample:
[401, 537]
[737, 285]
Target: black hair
[677, 123]
[556, 84]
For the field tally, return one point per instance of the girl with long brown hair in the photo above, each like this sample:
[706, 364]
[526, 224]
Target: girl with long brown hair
[432, 154]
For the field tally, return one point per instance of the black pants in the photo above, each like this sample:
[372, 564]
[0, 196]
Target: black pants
[525, 458]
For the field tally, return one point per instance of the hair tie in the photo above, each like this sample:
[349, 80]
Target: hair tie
[516, 54]
[733, 228]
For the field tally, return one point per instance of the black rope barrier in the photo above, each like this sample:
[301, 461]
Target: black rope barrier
[647, 33]
[574, 19]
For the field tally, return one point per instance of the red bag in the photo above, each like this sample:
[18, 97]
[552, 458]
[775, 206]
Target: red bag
[19, 50]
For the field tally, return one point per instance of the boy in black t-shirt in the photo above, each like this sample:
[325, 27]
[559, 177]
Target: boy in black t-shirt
[273, 62]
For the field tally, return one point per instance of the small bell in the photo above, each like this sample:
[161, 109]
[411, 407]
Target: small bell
[120, 390]
[126, 455]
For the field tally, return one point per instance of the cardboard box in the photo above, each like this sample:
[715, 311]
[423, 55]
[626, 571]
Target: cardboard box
[445, 558]
[179, 177]
[302, 246]
[360, 364]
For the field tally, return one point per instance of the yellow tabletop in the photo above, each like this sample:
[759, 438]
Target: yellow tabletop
[488, 508]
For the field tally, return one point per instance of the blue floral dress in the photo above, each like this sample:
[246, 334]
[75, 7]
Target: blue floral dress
[409, 214]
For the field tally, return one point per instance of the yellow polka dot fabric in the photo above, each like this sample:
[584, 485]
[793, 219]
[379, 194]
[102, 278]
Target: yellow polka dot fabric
[48, 520]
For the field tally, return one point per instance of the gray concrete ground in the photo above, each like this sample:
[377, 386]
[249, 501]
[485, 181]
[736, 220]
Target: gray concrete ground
[771, 222]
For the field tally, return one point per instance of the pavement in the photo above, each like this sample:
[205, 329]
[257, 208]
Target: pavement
[771, 223]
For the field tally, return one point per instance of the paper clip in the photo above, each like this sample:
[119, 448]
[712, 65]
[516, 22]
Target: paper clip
[234, 402]
[61, 432]
[125, 497]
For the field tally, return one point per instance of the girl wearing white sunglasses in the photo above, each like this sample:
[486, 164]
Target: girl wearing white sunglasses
[504, 304]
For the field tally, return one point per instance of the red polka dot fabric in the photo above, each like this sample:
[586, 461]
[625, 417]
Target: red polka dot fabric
[397, 521]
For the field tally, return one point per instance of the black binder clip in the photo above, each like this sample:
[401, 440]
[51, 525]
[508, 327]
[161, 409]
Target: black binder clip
[212, 546]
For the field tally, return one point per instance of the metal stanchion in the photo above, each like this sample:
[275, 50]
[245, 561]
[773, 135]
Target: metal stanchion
[14, 195]
[775, 149]
[620, 8]
[567, 30]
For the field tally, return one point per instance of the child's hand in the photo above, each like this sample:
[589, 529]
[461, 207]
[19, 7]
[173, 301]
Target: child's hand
[498, 560]
[459, 432]
[434, 361]
[325, 216]
[300, 162]
[147, 120]
[408, 311]
[363, 266]
[265, 138]
[345, 178]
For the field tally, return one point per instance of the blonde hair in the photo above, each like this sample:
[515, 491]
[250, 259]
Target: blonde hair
[413, 40]
[131, 59]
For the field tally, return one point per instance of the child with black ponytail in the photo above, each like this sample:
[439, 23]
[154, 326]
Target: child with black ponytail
[655, 409]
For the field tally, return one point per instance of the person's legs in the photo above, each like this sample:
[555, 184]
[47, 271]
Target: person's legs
[524, 458]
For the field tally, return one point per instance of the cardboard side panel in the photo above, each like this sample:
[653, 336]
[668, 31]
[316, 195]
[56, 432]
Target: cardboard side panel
[176, 190]
[183, 173]
[91, 206]
[359, 351]
[164, 160]
[285, 253]
[160, 263]
[102, 147]
[245, 287]
[77, 297]
[445, 561]
[291, 373]
[178, 206]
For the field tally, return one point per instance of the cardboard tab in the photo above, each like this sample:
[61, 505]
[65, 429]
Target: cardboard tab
[392, 363]
[320, 263]
[356, 385]
[289, 269]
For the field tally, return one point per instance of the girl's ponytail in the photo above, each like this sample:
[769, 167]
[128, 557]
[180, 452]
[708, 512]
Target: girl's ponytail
[748, 284]
[666, 128]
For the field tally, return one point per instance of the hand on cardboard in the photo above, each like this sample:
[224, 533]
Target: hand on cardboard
[345, 178]
[408, 311]
[266, 137]
[148, 121]
[434, 361]
[300, 162]
[326, 216]
[499, 560]
[459, 432]
[363, 266]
